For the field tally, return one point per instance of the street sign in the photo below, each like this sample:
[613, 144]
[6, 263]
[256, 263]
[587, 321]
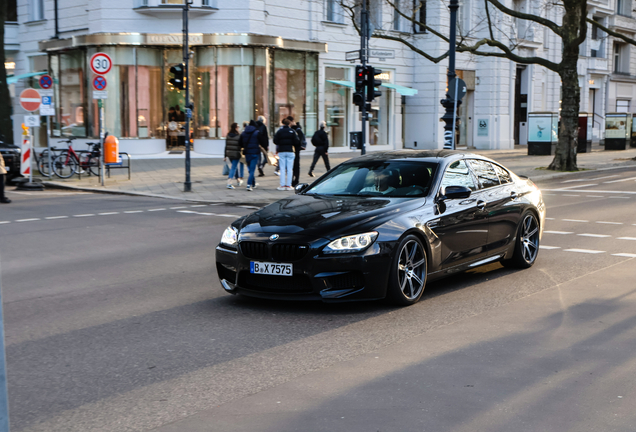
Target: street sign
[101, 63]
[461, 88]
[352, 55]
[47, 108]
[46, 82]
[31, 121]
[99, 83]
[100, 94]
[382, 53]
[30, 99]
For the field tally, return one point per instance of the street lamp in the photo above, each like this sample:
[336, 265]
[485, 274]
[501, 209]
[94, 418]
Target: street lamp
[451, 102]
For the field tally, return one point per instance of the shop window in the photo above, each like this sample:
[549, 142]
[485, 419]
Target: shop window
[150, 113]
[336, 106]
[72, 95]
[235, 90]
[379, 122]
[310, 124]
[622, 106]
[289, 85]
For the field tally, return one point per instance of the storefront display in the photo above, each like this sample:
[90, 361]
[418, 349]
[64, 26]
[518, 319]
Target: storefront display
[542, 133]
[618, 130]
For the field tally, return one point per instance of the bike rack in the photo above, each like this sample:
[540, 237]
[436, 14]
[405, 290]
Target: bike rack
[119, 165]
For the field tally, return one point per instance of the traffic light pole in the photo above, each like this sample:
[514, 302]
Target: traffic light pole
[364, 44]
[450, 102]
[187, 186]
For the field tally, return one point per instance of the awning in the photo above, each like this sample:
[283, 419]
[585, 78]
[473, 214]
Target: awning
[405, 91]
[342, 83]
[14, 79]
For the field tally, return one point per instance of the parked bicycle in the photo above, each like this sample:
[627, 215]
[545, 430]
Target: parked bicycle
[67, 163]
[42, 161]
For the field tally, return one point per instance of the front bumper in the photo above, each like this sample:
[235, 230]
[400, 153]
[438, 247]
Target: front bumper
[330, 278]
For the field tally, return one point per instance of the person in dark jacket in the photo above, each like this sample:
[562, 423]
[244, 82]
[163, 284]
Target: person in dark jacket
[263, 136]
[233, 154]
[287, 145]
[250, 145]
[320, 140]
[303, 145]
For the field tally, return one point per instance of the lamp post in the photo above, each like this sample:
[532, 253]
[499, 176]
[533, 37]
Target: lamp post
[187, 185]
[451, 102]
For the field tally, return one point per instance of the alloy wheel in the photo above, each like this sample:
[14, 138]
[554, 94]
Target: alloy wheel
[411, 270]
[529, 239]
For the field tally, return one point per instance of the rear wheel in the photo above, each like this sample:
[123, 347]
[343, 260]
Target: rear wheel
[527, 243]
[408, 272]
[64, 165]
[43, 163]
[93, 165]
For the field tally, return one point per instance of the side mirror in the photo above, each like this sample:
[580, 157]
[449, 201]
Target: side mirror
[455, 192]
[300, 187]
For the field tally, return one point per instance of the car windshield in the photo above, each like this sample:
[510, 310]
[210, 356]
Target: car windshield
[377, 178]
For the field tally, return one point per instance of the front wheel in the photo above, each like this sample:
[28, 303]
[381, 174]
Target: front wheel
[64, 165]
[43, 163]
[408, 272]
[527, 243]
[93, 164]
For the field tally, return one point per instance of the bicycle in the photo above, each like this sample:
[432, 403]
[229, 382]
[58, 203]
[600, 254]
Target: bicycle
[42, 162]
[68, 161]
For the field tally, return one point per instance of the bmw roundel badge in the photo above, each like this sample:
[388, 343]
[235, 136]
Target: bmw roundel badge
[274, 237]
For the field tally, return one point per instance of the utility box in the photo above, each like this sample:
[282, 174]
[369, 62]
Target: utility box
[618, 130]
[585, 133]
[542, 133]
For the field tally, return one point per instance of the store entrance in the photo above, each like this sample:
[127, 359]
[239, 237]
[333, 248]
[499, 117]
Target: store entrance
[175, 106]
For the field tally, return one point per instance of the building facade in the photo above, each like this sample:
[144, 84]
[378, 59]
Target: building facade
[252, 57]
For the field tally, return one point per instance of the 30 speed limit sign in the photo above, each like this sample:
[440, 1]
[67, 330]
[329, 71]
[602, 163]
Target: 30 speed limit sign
[101, 63]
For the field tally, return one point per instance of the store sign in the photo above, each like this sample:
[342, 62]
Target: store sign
[176, 39]
[482, 127]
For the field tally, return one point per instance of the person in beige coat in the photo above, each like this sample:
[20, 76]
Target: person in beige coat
[3, 172]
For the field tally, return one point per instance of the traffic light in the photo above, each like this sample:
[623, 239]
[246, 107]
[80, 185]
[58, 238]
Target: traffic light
[372, 83]
[178, 81]
[358, 96]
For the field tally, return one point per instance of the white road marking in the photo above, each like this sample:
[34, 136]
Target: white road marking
[575, 220]
[595, 196]
[177, 208]
[628, 255]
[619, 197]
[57, 217]
[28, 220]
[549, 218]
[621, 180]
[579, 186]
[594, 235]
[558, 232]
[134, 211]
[609, 223]
[254, 207]
[548, 247]
[588, 251]
[207, 214]
[84, 215]
[4, 222]
[108, 213]
[604, 177]
[597, 191]
[627, 238]
[571, 195]
[157, 209]
[199, 205]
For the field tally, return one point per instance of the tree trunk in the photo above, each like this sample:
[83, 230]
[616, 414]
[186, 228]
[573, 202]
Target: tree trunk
[6, 126]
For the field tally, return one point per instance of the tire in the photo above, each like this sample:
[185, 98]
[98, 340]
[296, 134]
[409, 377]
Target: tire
[527, 244]
[93, 165]
[64, 165]
[43, 163]
[408, 272]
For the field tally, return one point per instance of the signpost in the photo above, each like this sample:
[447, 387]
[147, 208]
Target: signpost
[101, 63]
[99, 88]
[30, 99]
[46, 82]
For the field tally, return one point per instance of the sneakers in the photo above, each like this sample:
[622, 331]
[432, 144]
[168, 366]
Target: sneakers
[5, 201]
[281, 188]
[239, 182]
[289, 188]
[229, 186]
[248, 188]
[311, 174]
[255, 185]
[277, 173]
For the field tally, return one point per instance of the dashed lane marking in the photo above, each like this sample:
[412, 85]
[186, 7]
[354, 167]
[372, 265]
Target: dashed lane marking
[28, 220]
[85, 215]
[548, 247]
[198, 205]
[620, 180]
[4, 222]
[596, 191]
[627, 255]
[568, 195]
[154, 210]
[609, 223]
[627, 238]
[549, 218]
[56, 217]
[558, 232]
[594, 235]
[108, 213]
[619, 197]
[133, 211]
[575, 220]
[207, 214]
[595, 196]
[587, 251]
[178, 208]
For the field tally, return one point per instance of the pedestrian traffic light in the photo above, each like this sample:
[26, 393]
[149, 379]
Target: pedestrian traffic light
[358, 96]
[372, 83]
[178, 81]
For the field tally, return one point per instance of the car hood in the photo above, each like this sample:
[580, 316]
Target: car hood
[325, 216]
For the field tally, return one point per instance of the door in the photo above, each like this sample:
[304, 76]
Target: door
[463, 225]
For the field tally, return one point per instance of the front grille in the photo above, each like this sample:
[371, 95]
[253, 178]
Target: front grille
[288, 252]
[296, 284]
[345, 281]
[255, 250]
[226, 273]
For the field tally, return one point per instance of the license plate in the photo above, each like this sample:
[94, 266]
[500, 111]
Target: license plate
[269, 268]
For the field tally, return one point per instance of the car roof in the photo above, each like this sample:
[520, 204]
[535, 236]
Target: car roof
[436, 156]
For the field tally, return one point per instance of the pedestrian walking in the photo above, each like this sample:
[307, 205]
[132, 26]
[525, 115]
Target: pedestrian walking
[303, 145]
[287, 144]
[3, 172]
[233, 154]
[263, 136]
[249, 143]
[320, 140]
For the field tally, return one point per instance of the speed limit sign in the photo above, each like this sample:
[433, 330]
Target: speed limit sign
[101, 63]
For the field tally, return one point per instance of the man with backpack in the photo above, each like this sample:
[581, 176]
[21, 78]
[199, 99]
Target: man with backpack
[320, 140]
[303, 145]
[250, 145]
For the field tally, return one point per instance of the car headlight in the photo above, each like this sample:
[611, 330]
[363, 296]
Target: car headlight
[230, 237]
[353, 243]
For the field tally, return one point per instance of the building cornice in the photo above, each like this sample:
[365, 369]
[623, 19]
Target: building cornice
[176, 39]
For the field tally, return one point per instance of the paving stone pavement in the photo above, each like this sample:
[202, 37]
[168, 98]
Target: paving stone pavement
[165, 177]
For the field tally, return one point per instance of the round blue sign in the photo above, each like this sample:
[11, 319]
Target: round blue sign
[46, 82]
[99, 83]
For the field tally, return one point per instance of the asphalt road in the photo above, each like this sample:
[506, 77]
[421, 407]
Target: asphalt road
[115, 321]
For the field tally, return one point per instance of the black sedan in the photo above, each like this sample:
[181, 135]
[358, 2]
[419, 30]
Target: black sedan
[381, 226]
[11, 155]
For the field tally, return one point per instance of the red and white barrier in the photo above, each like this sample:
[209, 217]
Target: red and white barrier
[25, 162]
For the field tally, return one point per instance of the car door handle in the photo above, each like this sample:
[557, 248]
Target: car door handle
[514, 195]
[481, 204]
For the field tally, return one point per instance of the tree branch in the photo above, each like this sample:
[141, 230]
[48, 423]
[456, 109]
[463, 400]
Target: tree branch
[506, 53]
[412, 47]
[414, 21]
[543, 21]
[611, 32]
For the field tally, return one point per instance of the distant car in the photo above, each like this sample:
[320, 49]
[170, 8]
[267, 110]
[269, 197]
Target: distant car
[381, 226]
[11, 155]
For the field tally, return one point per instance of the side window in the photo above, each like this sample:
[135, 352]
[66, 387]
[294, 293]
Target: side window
[485, 173]
[503, 174]
[458, 174]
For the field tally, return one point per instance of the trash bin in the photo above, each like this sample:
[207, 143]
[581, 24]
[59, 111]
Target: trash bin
[111, 149]
[585, 133]
[618, 130]
[542, 133]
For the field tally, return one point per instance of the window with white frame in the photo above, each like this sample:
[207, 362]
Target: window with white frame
[596, 41]
[375, 13]
[397, 18]
[36, 10]
[622, 106]
[521, 24]
[621, 58]
[419, 15]
[624, 7]
[333, 11]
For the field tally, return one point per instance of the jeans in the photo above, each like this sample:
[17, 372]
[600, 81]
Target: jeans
[234, 172]
[251, 161]
[286, 163]
[318, 153]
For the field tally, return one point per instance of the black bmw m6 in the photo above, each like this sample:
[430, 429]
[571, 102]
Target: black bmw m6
[381, 226]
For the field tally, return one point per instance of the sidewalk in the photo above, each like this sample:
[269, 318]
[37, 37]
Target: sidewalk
[165, 177]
